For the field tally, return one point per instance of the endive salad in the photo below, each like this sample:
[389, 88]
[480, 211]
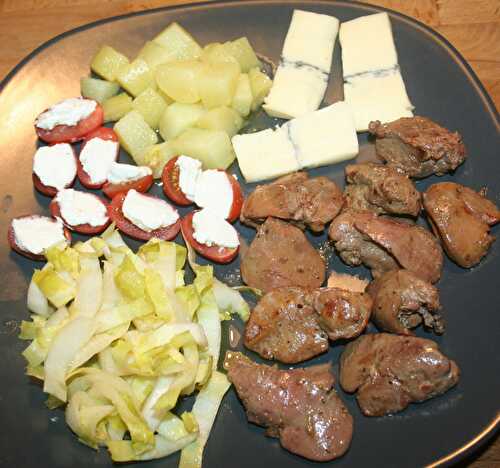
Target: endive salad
[119, 337]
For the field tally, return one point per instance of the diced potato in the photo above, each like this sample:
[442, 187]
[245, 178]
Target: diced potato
[216, 52]
[135, 77]
[151, 106]
[178, 42]
[179, 80]
[116, 107]
[217, 84]
[96, 89]
[107, 62]
[154, 54]
[135, 135]
[178, 117]
[156, 156]
[243, 97]
[261, 85]
[243, 52]
[221, 118]
[212, 147]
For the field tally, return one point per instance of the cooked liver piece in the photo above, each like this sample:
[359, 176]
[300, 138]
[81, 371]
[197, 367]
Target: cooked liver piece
[414, 248]
[382, 189]
[293, 324]
[280, 255]
[305, 201]
[417, 146]
[384, 244]
[461, 218]
[342, 314]
[299, 406]
[284, 326]
[391, 371]
[402, 301]
[357, 249]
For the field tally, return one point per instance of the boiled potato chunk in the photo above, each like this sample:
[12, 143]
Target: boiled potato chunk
[96, 89]
[217, 84]
[154, 54]
[116, 107]
[222, 118]
[156, 156]
[243, 52]
[217, 53]
[178, 117]
[107, 62]
[243, 97]
[179, 80]
[212, 147]
[261, 85]
[178, 42]
[135, 77]
[135, 135]
[151, 106]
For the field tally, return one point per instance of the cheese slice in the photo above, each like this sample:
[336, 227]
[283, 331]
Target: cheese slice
[265, 155]
[367, 44]
[377, 96]
[324, 137]
[301, 79]
[310, 39]
[296, 90]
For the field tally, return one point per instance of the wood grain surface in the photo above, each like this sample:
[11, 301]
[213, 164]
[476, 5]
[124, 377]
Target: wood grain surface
[472, 26]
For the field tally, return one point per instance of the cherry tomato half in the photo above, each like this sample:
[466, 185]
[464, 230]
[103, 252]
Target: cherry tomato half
[11, 238]
[171, 187]
[234, 212]
[47, 189]
[72, 133]
[130, 229]
[103, 133]
[141, 185]
[55, 211]
[214, 253]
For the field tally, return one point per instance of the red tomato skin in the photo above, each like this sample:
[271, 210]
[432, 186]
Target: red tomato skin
[115, 213]
[55, 211]
[171, 188]
[142, 185]
[72, 133]
[213, 253]
[234, 212]
[52, 191]
[103, 133]
[11, 238]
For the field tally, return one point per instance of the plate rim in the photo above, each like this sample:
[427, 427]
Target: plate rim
[491, 428]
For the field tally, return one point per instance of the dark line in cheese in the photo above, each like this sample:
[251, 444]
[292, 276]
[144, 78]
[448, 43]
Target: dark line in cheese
[374, 73]
[300, 64]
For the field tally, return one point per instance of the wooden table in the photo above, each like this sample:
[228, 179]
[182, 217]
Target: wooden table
[472, 26]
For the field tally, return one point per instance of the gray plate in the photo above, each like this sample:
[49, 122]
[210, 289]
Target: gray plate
[442, 87]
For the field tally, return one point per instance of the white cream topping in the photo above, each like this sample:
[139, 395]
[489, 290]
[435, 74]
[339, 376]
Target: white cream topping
[121, 173]
[67, 112]
[214, 191]
[211, 229]
[55, 165]
[36, 233]
[81, 208]
[97, 156]
[189, 172]
[148, 213]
